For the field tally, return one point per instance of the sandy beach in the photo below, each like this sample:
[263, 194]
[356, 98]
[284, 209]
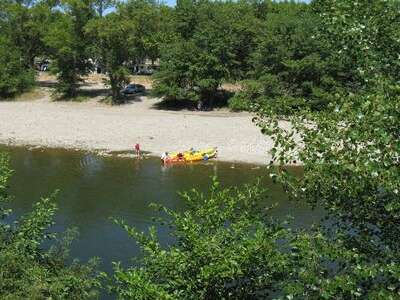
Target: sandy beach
[92, 125]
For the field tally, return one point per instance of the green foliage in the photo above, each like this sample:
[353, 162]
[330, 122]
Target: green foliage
[350, 154]
[363, 35]
[20, 32]
[25, 24]
[291, 67]
[226, 247]
[28, 270]
[289, 55]
[151, 28]
[69, 46]
[114, 40]
[189, 71]
[308, 54]
[213, 43]
[223, 249]
[14, 76]
[177, 76]
[351, 161]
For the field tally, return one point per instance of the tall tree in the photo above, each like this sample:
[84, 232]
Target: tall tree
[15, 77]
[291, 67]
[151, 27]
[212, 45]
[114, 42]
[69, 45]
[26, 23]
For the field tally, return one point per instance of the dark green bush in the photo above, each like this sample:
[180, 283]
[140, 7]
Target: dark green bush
[15, 77]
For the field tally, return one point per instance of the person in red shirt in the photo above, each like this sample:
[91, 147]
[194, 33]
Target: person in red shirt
[137, 149]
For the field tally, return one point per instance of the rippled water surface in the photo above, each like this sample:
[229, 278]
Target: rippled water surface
[93, 189]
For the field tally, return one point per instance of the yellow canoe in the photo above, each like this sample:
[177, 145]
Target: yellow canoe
[192, 155]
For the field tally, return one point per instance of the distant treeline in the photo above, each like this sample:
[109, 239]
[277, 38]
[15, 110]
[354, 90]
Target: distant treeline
[277, 53]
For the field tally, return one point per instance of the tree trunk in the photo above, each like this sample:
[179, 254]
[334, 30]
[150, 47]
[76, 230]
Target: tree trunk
[114, 90]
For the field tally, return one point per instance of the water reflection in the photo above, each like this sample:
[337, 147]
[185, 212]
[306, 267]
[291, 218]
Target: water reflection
[90, 165]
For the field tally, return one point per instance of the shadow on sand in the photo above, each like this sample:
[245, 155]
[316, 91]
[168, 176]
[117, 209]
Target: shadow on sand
[219, 100]
[46, 83]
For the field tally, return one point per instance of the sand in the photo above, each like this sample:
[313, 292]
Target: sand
[92, 125]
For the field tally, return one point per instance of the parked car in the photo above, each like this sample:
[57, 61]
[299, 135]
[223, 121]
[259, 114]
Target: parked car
[145, 71]
[42, 66]
[133, 89]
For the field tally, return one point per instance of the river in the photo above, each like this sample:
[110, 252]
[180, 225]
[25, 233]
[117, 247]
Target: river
[94, 189]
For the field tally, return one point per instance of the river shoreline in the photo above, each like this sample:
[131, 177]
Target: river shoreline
[94, 126]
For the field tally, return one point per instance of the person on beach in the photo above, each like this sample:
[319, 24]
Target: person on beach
[137, 149]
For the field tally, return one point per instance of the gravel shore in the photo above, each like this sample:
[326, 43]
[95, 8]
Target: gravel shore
[92, 125]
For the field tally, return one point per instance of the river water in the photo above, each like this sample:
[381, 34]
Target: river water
[94, 189]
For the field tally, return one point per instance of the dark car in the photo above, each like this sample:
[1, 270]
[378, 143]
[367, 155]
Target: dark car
[133, 89]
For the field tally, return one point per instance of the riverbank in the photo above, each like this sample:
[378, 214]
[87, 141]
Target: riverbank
[94, 126]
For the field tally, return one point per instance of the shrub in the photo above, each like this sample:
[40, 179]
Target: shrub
[15, 77]
[27, 269]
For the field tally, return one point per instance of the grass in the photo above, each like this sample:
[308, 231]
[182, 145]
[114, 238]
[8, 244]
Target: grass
[78, 98]
[31, 95]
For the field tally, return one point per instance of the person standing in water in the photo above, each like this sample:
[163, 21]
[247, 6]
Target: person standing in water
[137, 149]
[164, 157]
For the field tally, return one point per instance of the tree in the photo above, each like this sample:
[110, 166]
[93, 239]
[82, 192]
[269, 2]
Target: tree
[22, 27]
[114, 39]
[351, 156]
[69, 45]
[351, 150]
[27, 269]
[26, 23]
[210, 46]
[223, 249]
[363, 35]
[291, 67]
[351, 169]
[226, 248]
[188, 72]
[14, 76]
[151, 28]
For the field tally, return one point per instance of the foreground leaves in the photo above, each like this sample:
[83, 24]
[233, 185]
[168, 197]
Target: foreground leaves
[226, 247]
[27, 269]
